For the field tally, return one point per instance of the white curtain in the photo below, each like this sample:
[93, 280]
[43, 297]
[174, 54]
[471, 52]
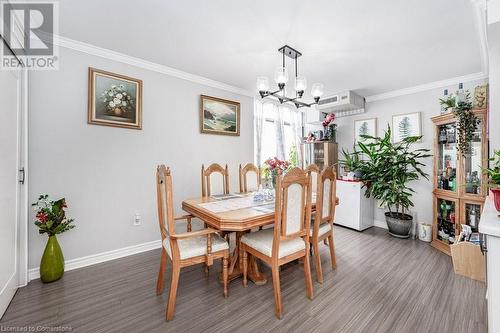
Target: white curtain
[258, 124]
[279, 121]
[286, 130]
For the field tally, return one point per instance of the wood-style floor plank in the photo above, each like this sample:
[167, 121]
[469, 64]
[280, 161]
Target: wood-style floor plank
[381, 284]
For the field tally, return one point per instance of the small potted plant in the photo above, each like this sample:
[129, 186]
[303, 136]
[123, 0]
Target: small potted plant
[387, 168]
[351, 164]
[494, 178]
[274, 167]
[51, 219]
[448, 103]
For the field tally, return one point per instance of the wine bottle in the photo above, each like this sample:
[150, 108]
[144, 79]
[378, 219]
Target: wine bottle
[444, 108]
[460, 93]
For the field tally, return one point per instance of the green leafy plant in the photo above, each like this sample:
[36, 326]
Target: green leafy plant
[494, 171]
[51, 216]
[448, 102]
[388, 167]
[350, 161]
[467, 124]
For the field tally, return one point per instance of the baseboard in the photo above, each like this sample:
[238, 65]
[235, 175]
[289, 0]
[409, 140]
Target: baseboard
[34, 273]
[380, 224]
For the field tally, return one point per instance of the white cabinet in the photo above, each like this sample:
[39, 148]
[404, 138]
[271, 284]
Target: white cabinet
[354, 210]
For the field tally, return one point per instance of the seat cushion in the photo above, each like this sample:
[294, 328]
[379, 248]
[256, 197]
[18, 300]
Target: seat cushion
[323, 229]
[262, 241]
[196, 246]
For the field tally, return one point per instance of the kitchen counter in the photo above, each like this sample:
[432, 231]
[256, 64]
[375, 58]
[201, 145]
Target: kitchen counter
[490, 222]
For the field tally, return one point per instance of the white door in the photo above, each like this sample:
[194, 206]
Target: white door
[12, 244]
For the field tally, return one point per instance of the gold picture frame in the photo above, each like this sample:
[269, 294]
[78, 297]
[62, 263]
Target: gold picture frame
[114, 100]
[219, 116]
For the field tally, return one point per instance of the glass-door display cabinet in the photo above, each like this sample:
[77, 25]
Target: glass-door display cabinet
[321, 153]
[459, 190]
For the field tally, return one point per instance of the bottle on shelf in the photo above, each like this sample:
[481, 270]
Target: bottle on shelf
[472, 217]
[451, 135]
[445, 181]
[460, 93]
[475, 183]
[443, 136]
[444, 109]
[468, 183]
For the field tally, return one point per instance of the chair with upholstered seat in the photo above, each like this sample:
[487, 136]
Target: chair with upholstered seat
[289, 239]
[251, 183]
[214, 180]
[183, 249]
[322, 225]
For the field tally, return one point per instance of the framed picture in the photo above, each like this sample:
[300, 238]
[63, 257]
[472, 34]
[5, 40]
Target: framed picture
[114, 100]
[405, 125]
[219, 116]
[481, 97]
[364, 127]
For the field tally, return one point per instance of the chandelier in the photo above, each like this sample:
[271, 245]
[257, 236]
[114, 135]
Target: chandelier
[281, 79]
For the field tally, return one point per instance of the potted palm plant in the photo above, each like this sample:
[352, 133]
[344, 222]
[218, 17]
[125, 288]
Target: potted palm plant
[494, 179]
[386, 170]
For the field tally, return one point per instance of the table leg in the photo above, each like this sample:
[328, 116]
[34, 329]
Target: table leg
[236, 266]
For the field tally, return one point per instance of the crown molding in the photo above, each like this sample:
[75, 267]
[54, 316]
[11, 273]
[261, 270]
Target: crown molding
[427, 86]
[144, 64]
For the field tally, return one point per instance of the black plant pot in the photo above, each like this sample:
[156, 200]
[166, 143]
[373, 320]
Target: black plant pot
[399, 224]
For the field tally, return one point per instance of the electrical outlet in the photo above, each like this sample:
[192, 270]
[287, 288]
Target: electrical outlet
[137, 219]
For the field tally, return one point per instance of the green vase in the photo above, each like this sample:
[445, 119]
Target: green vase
[52, 264]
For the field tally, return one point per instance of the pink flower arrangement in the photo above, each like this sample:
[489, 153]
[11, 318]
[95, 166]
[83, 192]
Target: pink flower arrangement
[276, 164]
[328, 119]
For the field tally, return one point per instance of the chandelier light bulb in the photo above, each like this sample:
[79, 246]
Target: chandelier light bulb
[262, 84]
[300, 83]
[317, 90]
[281, 76]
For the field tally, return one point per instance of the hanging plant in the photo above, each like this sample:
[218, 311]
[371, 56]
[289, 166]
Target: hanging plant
[467, 124]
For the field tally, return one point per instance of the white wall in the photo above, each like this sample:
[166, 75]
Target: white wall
[494, 80]
[425, 102]
[107, 174]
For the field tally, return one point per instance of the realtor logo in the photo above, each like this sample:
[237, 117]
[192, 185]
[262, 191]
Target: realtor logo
[29, 30]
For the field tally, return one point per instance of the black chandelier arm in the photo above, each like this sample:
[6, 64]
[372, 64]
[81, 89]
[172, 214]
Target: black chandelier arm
[285, 99]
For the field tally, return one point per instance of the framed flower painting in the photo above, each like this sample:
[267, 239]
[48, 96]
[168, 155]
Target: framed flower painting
[114, 100]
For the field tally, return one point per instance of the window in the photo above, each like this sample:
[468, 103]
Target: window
[277, 121]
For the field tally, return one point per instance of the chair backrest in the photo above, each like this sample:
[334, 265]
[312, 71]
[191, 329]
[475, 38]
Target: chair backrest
[214, 180]
[293, 207]
[325, 198]
[313, 171]
[164, 201]
[251, 183]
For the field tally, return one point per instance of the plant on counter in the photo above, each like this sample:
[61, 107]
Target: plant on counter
[51, 219]
[448, 103]
[386, 169]
[494, 178]
[351, 162]
[467, 124]
[273, 167]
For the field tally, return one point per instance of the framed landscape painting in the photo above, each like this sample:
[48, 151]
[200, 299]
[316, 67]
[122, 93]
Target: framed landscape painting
[364, 127]
[219, 116]
[405, 125]
[114, 100]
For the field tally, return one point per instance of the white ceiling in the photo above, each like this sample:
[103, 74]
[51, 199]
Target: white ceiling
[368, 46]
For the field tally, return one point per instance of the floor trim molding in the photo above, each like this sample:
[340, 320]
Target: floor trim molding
[380, 224]
[34, 273]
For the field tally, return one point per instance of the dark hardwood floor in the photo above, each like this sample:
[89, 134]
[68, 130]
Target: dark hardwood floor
[382, 284]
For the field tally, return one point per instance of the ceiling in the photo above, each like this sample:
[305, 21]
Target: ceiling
[368, 46]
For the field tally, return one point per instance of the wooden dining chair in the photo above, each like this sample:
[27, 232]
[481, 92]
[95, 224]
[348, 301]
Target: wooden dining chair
[183, 249]
[322, 225]
[289, 239]
[207, 179]
[252, 183]
[313, 171]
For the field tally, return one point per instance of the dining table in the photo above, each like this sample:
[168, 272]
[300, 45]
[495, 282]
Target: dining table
[238, 213]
